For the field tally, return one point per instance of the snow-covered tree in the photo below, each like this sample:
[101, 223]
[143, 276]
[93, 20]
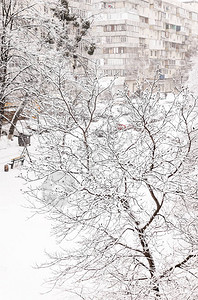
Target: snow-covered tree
[29, 32]
[193, 76]
[118, 179]
[16, 74]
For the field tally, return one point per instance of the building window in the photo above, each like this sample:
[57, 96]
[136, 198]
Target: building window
[115, 72]
[178, 28]
[119, 27]
[144, 20]
[114, 50]
[116, 39]
[108, 5]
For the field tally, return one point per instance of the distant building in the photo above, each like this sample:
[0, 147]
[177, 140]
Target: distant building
[136, 37]
[82, 8]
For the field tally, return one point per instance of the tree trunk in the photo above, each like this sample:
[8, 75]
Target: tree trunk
[15, 119]
[148, 255]
[7, 25]
[1, 119]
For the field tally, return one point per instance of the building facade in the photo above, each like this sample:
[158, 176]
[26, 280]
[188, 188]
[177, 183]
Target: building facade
[137, 37]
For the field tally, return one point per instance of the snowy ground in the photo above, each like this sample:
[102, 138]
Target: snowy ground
[23, 239]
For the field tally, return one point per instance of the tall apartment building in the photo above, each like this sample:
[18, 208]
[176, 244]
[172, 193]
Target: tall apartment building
[82, 8]
[136, 37]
